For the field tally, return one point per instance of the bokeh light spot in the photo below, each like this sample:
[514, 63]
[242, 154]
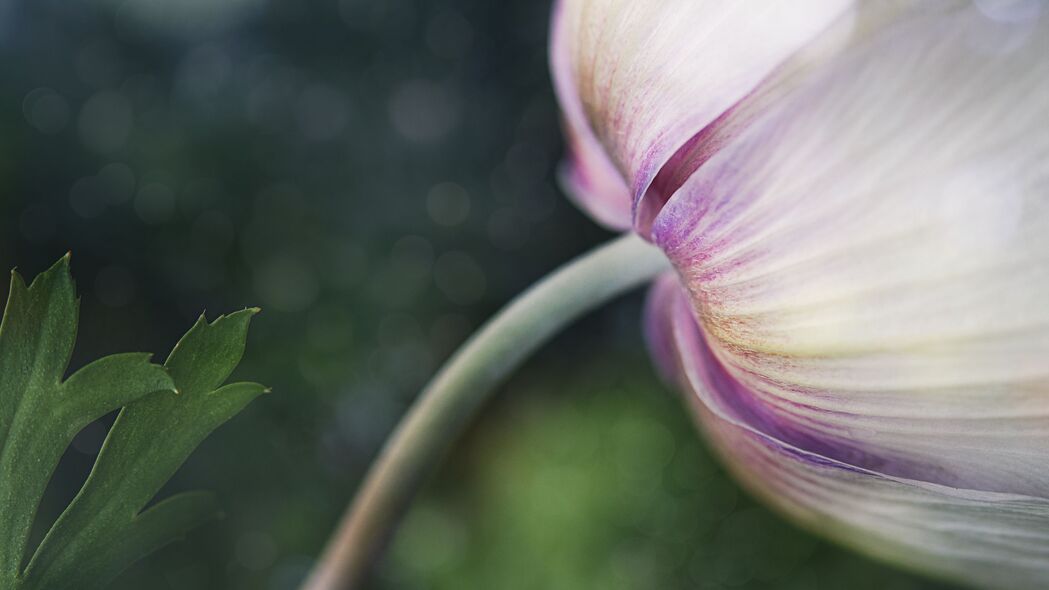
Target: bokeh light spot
[507, 229]
[155, 203]
[185, 18]
[46, 110]
[448, 203]
[204, 72]
[286, 283]
[430, 538]
[116, 182]
[460, 278]
[86, 197]
[321, 112]
[105, 122]
[424, 111]
[255, 550]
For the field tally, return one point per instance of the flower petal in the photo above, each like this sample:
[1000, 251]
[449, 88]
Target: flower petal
[659, 327]
[663, 79]
[588, 175]
[870, 261]
[990, 539]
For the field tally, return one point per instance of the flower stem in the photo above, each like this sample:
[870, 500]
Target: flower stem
[470, 376]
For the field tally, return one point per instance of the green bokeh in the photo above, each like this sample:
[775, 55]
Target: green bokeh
[594, 477]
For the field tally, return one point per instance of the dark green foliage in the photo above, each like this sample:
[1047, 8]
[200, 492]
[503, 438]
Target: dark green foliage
[167, 411]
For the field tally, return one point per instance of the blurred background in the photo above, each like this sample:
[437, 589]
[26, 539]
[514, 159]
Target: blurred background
[379, 177]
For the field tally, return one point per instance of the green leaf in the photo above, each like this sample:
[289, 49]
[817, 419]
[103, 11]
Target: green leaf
[39, 412]
[150, 439]
[167, 411]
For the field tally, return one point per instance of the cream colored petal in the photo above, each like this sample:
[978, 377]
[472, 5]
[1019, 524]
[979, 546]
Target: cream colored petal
[870, 260]
[652, 75]
[981, 538]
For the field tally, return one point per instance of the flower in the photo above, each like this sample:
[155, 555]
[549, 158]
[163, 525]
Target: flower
[855, 198]
[642, 83]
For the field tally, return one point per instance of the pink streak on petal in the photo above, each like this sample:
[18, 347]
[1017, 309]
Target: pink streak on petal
[665, 82]
[870, 260]
[659, 327]
[588, 174]
[989, 538]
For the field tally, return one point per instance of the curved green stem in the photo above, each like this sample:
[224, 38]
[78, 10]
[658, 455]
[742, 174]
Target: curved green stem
[448, 402]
